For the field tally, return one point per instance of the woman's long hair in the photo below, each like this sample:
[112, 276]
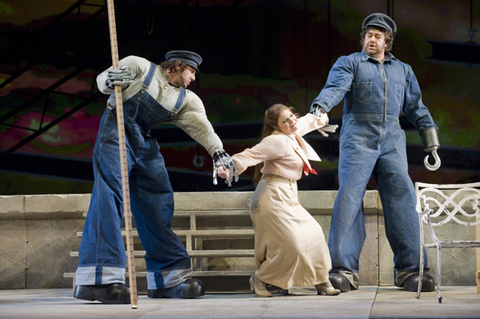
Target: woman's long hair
[270, 121]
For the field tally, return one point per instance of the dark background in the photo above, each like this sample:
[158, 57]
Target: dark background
[256, 53]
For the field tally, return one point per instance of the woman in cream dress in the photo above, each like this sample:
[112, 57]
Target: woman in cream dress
[290, 247]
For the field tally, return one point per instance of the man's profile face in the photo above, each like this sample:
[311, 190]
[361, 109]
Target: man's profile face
[374, 43]
[182, 79]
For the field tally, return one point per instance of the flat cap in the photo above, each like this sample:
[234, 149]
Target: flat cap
[190, 58]
[380, 20]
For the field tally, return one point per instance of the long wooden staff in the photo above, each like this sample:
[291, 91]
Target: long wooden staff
[123, 161]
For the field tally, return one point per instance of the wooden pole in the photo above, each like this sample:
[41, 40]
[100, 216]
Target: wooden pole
[127, 213]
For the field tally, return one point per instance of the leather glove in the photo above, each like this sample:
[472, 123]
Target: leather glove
[431, 144]
[122, 78]
[222, 159]
[430, 139]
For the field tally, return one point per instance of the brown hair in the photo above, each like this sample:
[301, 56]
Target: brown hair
[173, 65]
[388, 36]
[270, 121]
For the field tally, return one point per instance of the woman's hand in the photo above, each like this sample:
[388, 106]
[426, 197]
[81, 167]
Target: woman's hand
[322, 119]
[222, 172]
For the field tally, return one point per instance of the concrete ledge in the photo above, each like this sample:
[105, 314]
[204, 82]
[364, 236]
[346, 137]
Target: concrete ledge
[316, 202]
[12, 207]
[30, 207]
[56, 206]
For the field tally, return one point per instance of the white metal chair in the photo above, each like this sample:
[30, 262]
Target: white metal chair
[439, 205]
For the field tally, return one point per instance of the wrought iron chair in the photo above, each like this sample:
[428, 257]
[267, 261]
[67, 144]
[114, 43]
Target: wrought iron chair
[439, 205]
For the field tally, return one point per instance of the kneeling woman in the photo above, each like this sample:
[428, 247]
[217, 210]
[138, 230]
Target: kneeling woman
[290, 247]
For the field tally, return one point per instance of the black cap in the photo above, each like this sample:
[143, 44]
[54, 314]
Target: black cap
[190, 58]
[380, 20]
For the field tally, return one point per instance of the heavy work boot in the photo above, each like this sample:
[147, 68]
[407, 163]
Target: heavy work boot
[411, 283]
[111, 294]
[340, 282]
[188, 289]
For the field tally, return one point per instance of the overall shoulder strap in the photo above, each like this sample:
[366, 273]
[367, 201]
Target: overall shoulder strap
[148, 79]
[180, 99]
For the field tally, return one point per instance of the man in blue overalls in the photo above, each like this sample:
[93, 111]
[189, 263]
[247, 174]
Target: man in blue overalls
[376, 88]
[151, 94]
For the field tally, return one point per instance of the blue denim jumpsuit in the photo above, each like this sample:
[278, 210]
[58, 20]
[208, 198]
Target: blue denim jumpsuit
[372, 142]
[102, 256]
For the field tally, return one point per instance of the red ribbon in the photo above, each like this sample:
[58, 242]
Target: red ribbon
[307, 170]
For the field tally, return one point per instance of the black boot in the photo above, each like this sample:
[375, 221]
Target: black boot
[190, 288]
[411, 283]
[340, 282]
[113, 293]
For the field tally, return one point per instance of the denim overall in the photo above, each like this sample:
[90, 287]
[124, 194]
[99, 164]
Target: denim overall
[372, 142]
[102, 255]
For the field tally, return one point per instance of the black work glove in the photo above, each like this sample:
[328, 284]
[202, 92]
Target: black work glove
[122, 78]
[430, 139]
[431, 144]
[221, 158]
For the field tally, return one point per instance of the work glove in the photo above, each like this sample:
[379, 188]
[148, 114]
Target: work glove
[431, 144]
[122, 78]
[327, 129]
[222, 159]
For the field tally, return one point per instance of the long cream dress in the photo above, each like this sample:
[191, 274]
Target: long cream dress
[290, 247]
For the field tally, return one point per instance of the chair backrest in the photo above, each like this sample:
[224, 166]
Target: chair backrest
[449, 203]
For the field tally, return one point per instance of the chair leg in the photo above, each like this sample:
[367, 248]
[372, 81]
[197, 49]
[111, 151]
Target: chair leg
[439, 273]
[420, 277]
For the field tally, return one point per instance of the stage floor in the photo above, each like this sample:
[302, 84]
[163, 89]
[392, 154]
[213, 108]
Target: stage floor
[367, 302]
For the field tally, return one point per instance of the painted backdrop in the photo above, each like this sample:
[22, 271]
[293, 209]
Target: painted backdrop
[255, 53]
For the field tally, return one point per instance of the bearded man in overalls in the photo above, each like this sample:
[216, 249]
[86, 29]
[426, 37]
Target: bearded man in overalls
[377, 88]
